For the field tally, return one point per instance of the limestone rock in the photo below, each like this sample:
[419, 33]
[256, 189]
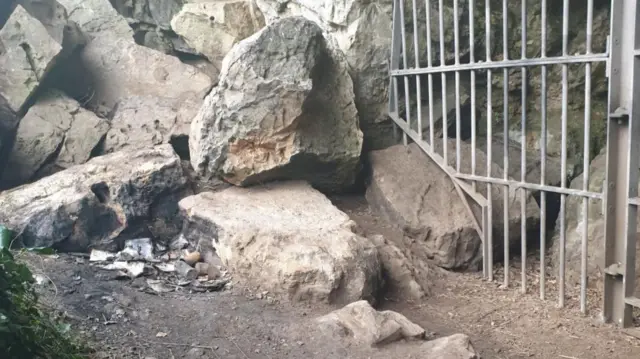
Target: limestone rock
[575, 220]
[286, 238]
[98, 18]
[157, 12]
[364, 325]
[141, 121]
[98, 204]
[27, 54]
[212, 28]
[55, 19]
[457, 346]
[55, 131]
[411, 190]
[283, 110]
[402, 276]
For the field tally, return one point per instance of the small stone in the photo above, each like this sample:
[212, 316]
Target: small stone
[185, 271]
[202, 268]
[191, 258]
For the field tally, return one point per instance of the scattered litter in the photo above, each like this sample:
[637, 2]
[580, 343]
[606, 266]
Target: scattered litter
[179, 243]
[140, 249]
[185, 271]
[191, 258]
[40, 279]
[166, 267]
[159, 286]
[210, 285]
[161, 334]
[132, 269]
[101, 256]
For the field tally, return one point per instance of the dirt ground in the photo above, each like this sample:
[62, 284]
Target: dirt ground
[125, 321]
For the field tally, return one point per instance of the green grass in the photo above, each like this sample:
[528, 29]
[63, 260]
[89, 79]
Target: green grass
[26, 330]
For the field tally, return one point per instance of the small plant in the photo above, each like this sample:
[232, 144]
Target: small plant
[25, 330]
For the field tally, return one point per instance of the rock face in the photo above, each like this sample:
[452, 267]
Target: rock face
[97, 204]
[56, 132]
[362, 30]
[98, 18]
[27, 54]
[212, 28]
[457, 346]
[288, 239]
[402, 276]
[8, 123]
[574, 228]
[283, 110]
[410, 189]
[364, 325]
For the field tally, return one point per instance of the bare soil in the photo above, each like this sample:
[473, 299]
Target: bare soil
[123, 320]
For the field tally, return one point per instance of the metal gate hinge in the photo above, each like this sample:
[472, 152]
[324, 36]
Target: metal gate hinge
[615, 270]
[620, 114]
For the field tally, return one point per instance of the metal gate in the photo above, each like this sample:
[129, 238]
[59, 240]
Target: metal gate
[425, 27]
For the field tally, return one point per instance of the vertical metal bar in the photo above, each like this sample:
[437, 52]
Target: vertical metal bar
[623, 141]
[563, 163]
[456, 52]
[489, 234]
[585, 163]
[394, 62]
[416, 52]
[444, 84]
[427, 4]
[472, 59]
[407, 94]
[505, 129]
[543, 152]
[523, 154]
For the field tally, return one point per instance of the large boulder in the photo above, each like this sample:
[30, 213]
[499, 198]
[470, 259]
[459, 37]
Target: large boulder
[98, 204]
[286, 238]
[574, 227]
[410, 189]
[27, 54]
[284, 109]
[56, 133]
[361, 323]
[97, 18]
[212, 28]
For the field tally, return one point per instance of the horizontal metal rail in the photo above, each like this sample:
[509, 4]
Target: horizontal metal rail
[502, 64]
[531, 186]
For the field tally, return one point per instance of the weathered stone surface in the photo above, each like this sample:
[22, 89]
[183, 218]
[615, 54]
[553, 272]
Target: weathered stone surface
[362, 324]
[457, 346]
[8, 124]
[55, 19]
[96, 204]
[575, 221]
[212, 28]
[411, 190]
[157, 12]
[27, 54]
[141, 121]
[286, 238]
[97, 18]
[402, 276]
[283, 110]
[55, 131]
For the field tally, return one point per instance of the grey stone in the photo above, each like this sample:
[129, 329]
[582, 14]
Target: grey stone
[99, 204]
[98, 18]
[212, 28]
[410, 189]
[362, 324]
[55, 131]
[286, 238]
[283, 109]
[457, 346]
[27, 54]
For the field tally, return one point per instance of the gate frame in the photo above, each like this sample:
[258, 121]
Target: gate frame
[620, 192]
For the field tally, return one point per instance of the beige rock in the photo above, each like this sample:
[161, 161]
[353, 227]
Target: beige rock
[362, 324]
[212, 28]
[94, 203]
[283, 110]
[286, 238]
[457, 346]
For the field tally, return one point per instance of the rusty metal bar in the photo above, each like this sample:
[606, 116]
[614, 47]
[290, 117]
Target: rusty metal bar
[523, 154]
[416, 51]
[427, 4]
[443, 78]
[407, 98]
[543, 151]
[563, 157]
[487, 24]
[456, 55]
[505, 134]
